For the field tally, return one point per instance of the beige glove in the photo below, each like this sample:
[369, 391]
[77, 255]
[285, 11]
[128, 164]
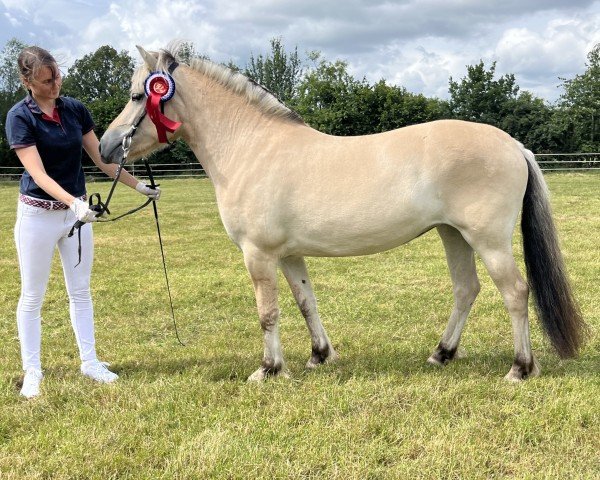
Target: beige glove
[151, 193]
[82, 211]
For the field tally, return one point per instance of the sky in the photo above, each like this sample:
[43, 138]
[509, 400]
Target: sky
[417, 44]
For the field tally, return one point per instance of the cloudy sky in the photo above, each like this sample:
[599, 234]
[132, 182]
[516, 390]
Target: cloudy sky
[418, 44]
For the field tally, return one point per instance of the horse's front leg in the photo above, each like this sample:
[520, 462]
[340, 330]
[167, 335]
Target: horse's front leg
[294, 269]
[263, 272]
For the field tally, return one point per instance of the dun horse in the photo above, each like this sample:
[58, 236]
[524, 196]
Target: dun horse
[286, 191]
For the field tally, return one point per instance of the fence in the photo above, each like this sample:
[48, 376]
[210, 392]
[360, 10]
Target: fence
[163, 170]
[549, 162]
[554, 162]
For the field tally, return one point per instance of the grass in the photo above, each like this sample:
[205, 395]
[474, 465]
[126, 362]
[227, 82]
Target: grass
[380, 412]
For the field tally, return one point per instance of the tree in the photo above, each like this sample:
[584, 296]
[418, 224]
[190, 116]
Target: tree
[399, 108]
[580, 104]
[480, 98]
[532, 121]
[329, 99]
[187, 52]
[10, 81]
[101, 80]
[100, 75]
[279, 72]
[10, 93]
[333, 101]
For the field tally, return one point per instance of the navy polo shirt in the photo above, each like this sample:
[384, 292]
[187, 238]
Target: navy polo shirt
[59, 142]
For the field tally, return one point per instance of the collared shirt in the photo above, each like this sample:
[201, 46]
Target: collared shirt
[58, 140]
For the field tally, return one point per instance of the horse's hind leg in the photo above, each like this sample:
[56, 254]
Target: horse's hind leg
[461, 263]
[498, 258]
[296, 274]
[263, 271]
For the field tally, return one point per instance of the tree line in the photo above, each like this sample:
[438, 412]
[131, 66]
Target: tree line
[333, 101]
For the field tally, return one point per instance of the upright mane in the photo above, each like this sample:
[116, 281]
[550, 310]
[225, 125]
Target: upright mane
[258, 95]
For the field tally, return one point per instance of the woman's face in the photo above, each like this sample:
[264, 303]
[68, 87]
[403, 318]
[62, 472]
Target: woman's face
[46, 84]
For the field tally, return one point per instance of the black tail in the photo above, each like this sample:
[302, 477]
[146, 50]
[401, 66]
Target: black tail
[556, 307]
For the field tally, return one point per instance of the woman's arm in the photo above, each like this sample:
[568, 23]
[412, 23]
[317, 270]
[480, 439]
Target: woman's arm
[92, 147]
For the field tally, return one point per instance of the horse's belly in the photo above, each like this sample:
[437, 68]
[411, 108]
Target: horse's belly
[355, 239]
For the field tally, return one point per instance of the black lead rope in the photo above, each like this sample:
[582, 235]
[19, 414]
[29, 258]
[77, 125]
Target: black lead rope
[101, 208]
[162, 251]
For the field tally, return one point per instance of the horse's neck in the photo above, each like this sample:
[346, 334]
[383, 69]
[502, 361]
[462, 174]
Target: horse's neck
[226, 132]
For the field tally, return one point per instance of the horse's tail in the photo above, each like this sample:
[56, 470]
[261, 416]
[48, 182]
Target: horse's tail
[556, 307]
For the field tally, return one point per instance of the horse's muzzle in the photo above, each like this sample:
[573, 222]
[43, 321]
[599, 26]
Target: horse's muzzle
[111, 146]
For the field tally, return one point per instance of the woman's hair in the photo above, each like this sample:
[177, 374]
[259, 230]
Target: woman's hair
[32, 59]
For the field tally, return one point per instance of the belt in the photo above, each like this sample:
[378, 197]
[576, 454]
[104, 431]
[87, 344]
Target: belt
[45, 204]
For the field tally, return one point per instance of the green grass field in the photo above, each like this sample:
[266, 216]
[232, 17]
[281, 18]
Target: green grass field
[380, 412]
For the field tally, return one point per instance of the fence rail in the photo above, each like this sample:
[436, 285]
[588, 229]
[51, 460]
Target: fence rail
[549, 162]
[553, 162]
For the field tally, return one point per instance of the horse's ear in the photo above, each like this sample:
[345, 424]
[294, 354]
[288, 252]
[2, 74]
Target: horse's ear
[150, 58]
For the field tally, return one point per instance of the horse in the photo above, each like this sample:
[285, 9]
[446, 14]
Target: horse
[286, 191]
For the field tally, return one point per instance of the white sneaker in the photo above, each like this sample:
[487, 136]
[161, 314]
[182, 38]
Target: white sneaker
[96, 370]
[31, 382]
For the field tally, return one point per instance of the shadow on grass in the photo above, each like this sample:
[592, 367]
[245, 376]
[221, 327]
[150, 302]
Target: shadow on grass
[238, 366]
[486, 365]
[229, 367]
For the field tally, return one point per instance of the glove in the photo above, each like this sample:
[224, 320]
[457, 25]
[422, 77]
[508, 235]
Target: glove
[82, 211]
[151, 193]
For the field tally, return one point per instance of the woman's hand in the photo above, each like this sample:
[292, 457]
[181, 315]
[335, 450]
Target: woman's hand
[151, 193]
[83, 212]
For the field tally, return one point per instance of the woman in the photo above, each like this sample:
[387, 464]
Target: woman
[47, 133]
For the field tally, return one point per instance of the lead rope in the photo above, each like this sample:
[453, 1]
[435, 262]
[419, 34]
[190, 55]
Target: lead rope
[100, 207]
[103, 207]
[162, 251]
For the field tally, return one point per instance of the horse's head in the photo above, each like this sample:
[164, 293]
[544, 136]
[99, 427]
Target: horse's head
[142, 126]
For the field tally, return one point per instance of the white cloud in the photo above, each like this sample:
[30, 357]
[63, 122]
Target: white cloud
[560, 47]
[414, 43]
[12, 20]
[539, 57]
[151, 24]
[23, 6]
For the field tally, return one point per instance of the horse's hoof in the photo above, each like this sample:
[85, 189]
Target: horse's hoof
[442, 356]
[520, 371]
[316, 360]
[433, 360]
[262, 374]
[258, 376]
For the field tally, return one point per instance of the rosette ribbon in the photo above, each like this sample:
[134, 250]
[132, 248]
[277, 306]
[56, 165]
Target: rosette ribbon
[160, 87]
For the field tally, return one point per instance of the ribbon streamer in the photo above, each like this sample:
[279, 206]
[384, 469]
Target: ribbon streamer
[160, 87]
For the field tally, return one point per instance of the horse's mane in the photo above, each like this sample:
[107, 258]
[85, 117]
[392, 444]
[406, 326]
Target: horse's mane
[232, 80]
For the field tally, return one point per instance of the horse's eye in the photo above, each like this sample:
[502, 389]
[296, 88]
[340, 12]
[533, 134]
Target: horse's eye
[136, 96]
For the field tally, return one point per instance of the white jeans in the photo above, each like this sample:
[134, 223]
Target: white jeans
[37, 234]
